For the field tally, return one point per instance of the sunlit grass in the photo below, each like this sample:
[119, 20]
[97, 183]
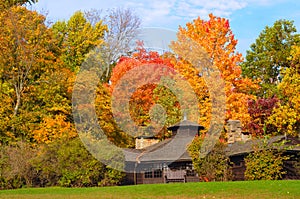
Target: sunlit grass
[246, 189]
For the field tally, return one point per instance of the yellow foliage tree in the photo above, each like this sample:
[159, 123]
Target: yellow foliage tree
[287, 116]
[25, 56]
[76, 38]
[35, 87]
[56, 127]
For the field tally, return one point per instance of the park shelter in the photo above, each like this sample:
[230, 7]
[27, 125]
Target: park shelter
[165, 161]
[168, 160]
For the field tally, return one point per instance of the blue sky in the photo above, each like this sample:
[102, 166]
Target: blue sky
[247, 17]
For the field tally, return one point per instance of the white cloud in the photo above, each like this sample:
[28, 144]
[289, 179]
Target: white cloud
[166, 13]
[162, 12]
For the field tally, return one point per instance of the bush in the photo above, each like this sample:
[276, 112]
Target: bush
[16, 167]
[69, 164]
[112, 177]
[61, 163]
[265, 163]
[214, 166]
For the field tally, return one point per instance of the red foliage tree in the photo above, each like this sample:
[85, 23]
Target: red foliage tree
[259, 111]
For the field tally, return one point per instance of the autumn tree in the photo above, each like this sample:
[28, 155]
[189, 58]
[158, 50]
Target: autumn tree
[106, 119]
[217, 39]
[76, 37]
[35, 86]
[24, 56]
[5, 4]
[268, 56]
[92, 99]
[23, 44]
[260, 110]
[286, 117]
[55, 112]
[143, 97]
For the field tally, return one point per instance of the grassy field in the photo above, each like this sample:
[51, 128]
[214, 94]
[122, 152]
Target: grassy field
[247, 189]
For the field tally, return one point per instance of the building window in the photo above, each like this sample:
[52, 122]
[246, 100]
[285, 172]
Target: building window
[148, 174]
[157, 173]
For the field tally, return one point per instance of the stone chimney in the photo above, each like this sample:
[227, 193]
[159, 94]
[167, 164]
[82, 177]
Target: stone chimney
[234, 132]
[145, 141]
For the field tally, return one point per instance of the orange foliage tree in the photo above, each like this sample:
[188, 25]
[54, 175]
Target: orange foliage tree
[217, 39]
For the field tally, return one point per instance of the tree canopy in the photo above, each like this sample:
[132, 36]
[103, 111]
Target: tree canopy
[269, 56]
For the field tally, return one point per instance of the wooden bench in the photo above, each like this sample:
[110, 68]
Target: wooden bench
[175, 176]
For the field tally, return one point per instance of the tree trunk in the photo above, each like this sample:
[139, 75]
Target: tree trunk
[18, 94]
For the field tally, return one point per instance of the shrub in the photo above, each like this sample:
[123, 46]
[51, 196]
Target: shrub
[16, 167]
[112, 177]
[69, 164]
[265, 163]
[60, 163]
[214, 166]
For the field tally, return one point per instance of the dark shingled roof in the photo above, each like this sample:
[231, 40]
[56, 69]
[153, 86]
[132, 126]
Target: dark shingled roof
[240, 148]
[175, 148]
[167, 150]
[172, 149]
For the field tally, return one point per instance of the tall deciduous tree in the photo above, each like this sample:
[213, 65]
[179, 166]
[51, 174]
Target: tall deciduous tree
[268, 56]
[217, 39]
[144, 97]
[76, 37]
[35, 88]
[123, 25]
[286, 116]
[25, 54]
[24, 49]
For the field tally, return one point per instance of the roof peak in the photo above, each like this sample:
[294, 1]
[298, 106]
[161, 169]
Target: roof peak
[185, 123]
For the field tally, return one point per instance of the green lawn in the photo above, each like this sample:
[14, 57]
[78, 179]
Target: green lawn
[246, 189]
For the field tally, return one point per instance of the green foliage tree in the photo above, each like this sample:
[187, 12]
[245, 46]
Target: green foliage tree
[71, 165]
[63, 162]
[269, 55]
[76, 37]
